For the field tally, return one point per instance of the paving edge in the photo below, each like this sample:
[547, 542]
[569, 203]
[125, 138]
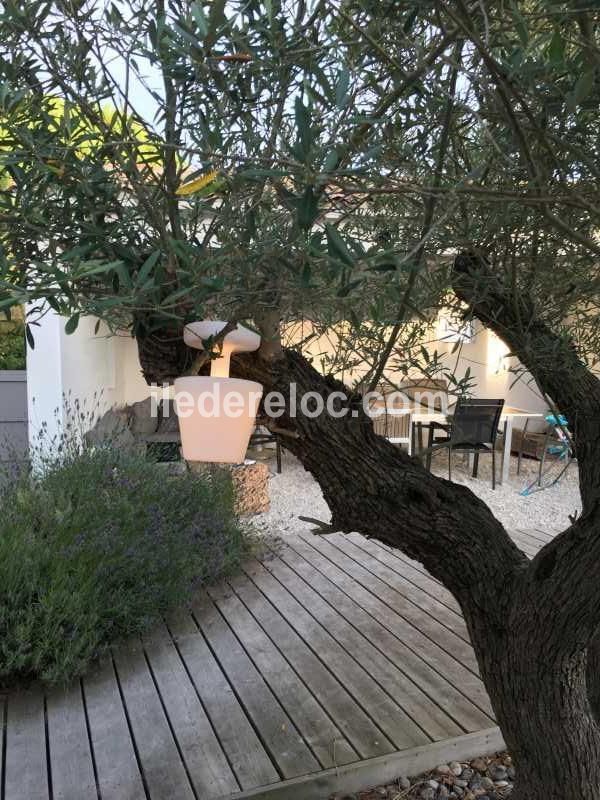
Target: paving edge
[375, 771]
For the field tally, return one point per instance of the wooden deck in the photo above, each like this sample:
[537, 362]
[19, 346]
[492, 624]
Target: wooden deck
[330, 665]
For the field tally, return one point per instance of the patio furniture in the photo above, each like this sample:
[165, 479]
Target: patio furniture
[419, 389]
[556, 441]
[473, 429]
[429, 394]
[263, 436]
[508, 417]
[395, 426]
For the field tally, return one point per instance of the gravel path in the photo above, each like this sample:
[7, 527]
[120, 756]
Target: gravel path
[295, 493]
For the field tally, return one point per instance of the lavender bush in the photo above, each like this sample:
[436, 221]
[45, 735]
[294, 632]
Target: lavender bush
[95, 548]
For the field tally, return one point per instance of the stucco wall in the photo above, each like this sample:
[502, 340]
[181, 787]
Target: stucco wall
[100, 370]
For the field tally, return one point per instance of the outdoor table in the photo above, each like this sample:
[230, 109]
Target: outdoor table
[509, 414]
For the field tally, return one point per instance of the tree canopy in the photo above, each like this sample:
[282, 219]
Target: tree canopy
[353, 149]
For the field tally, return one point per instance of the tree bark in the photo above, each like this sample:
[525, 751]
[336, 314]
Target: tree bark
[534, 624]
[529, 635]
[542, 705]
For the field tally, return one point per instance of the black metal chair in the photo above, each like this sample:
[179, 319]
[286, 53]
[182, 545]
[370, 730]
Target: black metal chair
[473, 428]
[266, 437]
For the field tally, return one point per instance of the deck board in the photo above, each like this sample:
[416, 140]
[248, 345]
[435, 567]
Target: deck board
[206, 763]
[116, 761]
[162, 767]
[70, 755]
[377, 581]
[26, 768]
[357, 726]
[383, 677]
[326, 664]
[283, 740]
[246, 754]
[440, 675]
[325, 740]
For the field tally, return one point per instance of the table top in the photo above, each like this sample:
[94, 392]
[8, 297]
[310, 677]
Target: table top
[427, 415]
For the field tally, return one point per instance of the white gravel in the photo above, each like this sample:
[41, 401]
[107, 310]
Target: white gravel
[295, 493]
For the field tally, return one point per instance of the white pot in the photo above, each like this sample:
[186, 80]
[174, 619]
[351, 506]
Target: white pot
[216, 417]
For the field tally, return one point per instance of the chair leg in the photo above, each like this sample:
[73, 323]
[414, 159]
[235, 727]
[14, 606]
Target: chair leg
[520, 459]
[475, 463]
[278, 454]
[429, 446]
[541, 469]
[493, 467]
[449, 463]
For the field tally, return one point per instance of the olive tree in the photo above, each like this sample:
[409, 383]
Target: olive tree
[352, 163]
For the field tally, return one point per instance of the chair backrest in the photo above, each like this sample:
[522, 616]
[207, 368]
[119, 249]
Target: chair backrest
[428, 392]
[391, 425]
[168, 421]
[475, 421]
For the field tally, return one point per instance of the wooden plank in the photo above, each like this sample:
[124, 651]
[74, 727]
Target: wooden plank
[531, 538]
[364, 541]
[322, 735]
[547, 536]
[283, 740]
[433, 663]
[369, 576]
[206, 763]
[350, 656]
[533, 534]
[26, 769]
[163, 770]
[357, 726]
[385, 769]
[71, 763]
[433, 701]
[406, 567]
[117, 768]
[248, 758]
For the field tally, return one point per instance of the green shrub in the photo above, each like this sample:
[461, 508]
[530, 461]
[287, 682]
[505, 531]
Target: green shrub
[12, 346]
[95, 549]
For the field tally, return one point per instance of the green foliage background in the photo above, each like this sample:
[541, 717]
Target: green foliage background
[12, 345]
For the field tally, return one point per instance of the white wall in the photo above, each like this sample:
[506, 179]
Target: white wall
[93, 368]
[100, 371]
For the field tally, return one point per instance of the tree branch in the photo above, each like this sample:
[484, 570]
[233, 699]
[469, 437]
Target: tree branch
[550, 357]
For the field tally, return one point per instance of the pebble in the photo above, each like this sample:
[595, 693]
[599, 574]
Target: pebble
[479, 764]
[482, 779]
[498, 773]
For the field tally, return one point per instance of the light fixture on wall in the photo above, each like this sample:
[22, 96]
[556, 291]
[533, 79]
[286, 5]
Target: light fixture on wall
[497, 355]
[454, 329]
[217, 414]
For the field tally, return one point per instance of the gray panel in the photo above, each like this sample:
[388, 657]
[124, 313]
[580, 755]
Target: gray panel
[13, 401]
[13, 441]
[13, 417]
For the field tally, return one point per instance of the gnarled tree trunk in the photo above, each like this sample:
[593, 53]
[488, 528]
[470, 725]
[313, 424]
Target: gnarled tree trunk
[534, 625]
